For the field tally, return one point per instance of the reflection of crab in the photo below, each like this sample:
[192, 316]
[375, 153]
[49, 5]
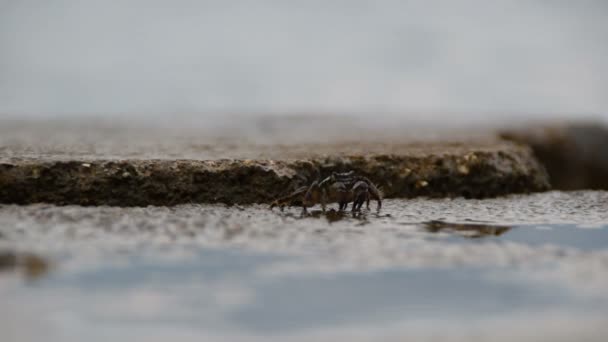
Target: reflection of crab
[340, 188]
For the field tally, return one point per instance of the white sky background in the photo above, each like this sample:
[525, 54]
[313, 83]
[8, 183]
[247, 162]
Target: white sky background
[153, 57]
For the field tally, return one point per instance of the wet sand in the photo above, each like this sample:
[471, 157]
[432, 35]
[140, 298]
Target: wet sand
[532, 267]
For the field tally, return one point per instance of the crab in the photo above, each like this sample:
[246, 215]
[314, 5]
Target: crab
[341, 188]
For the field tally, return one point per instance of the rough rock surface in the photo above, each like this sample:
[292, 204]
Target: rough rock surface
[474, 170]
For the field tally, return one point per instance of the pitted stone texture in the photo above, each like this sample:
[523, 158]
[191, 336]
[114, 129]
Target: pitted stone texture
[474, 170]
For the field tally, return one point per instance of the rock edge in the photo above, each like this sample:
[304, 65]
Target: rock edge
[462, 170]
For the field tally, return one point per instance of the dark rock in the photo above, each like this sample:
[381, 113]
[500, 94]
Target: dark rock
[575, 155]
[474, 170]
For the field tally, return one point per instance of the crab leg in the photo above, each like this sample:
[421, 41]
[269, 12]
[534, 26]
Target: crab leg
[375, 194]
[323, 199]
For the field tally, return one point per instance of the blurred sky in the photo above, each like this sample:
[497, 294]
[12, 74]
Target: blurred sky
[153, 57]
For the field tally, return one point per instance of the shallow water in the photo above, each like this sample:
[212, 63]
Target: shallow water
[530, 267]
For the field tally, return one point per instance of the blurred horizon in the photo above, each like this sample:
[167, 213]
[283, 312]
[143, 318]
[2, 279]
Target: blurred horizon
[454, 61]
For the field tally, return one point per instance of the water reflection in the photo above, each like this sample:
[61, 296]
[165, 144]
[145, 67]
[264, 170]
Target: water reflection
[332, 215]
[30, 265]
[470, 230]
[566, 235]
[559, 235]
[232, 290]
[296, 303]
[221, 291]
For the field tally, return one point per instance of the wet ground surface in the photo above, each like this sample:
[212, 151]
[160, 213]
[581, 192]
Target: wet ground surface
[529, 267]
